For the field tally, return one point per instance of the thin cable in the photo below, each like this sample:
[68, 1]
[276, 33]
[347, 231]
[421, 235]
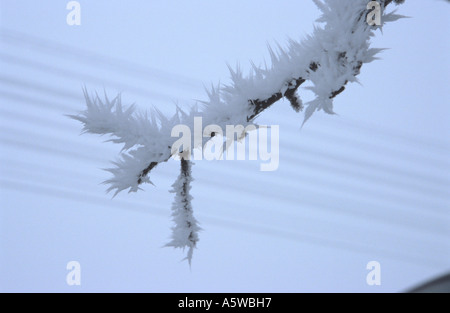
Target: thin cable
[404, 221]
[314, 153]
[253, 228]
[83, 55]
[290, 159]
[17, 38]
[420, 179]
[40, 66]
[389, 170]
[329, 136]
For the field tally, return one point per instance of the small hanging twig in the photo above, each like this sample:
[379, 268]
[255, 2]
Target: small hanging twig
[185, 231]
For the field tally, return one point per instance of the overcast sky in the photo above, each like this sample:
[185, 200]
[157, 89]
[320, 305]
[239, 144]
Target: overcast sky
[368, 184]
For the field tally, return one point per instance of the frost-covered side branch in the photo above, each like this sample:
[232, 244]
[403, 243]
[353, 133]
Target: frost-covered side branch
[185, 231]
[290, 93]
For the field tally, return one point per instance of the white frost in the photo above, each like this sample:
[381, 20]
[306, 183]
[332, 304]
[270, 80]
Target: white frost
[329, 58]
[185, 231]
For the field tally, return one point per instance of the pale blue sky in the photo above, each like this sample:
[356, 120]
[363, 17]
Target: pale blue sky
[368, 184]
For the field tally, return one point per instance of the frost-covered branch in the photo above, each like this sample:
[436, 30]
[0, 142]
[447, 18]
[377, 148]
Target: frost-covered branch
[185, 231]
[329, 58]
